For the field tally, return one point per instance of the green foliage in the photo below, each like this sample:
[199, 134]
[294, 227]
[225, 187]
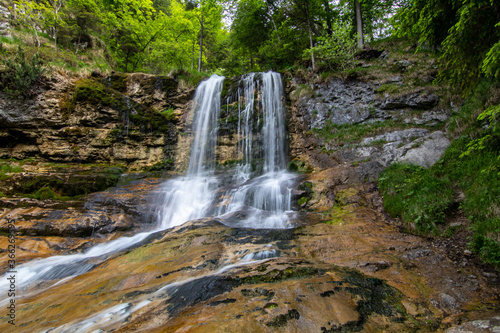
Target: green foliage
[21, 75]
[491, 63]
[467, 31]
[491, 137]
[470, 165]
[426, 21]
[388, 88]
[336, 50]
[169, 114]
[476, 174]
[418, 197]
[302, 201]
[470, 44]
[349, 133]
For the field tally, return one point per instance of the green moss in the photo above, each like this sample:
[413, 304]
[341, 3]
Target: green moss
[161, 166]
[277, 275]
[68, 185]
[303, 201]
[338, 213]
[117, 81]
[9, 166]
[299, 166]
[343, 197]
[282, 320]
[350, 133]
[44, 193]
[388, 88]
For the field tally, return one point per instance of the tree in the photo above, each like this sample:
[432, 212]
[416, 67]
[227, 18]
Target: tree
[468, 32]
[426, 21]
[472, 45]
[359, 23]
[32, 15]
[249, 28]
[132, 27]
[337, 50]
[54, 6]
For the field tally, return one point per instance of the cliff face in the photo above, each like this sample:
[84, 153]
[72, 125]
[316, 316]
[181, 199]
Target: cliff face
[123, 119]
[371, 121]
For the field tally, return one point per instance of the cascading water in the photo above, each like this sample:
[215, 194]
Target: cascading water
[189, 197]
[255, 200]
[263, 201]
[185, 198]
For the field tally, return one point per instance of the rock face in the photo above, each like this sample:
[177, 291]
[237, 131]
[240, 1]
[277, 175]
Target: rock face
[93, 120]
[49, 227]
[355, 109]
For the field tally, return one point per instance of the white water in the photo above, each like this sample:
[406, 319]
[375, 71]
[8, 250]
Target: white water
[259, 202]
[105, 319]
[263, 201]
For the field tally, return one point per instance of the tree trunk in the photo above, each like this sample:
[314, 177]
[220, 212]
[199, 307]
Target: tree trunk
[328, 11]
[55, 29]
[272, 20]
[192, 54]
[310, 40]
[36, 38]
[243, 63]
[359, 24]
[201, 44]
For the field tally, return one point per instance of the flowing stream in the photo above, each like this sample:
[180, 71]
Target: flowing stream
[258, 196]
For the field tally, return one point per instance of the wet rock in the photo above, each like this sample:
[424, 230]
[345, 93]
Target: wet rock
[78, 121]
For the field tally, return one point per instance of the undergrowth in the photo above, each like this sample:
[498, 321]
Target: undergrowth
[350, 133]
[471, 165]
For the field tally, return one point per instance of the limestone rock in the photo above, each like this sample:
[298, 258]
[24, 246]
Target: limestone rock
[419, 100]
[426, 151]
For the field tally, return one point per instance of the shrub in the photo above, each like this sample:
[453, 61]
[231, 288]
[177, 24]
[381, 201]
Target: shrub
[22, 74]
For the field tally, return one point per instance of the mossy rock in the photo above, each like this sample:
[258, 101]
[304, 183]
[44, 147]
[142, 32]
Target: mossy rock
[117, 81]
[66, 186]
[146, 120]
[347, 196]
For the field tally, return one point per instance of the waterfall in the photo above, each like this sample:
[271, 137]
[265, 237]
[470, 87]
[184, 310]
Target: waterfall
[205, 126]
[189, 197]
[274, 124]
[245, 127]
[263, 201]
[254, 200]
